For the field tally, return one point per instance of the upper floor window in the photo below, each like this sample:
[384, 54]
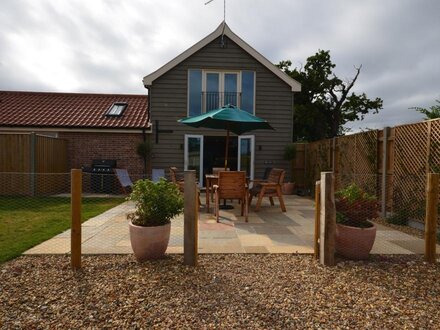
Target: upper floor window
[208, 90]
[117, 109]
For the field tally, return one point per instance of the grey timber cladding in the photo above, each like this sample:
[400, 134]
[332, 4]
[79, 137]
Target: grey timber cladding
[169, 93]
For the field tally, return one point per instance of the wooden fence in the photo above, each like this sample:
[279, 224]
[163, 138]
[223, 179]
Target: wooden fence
[391, 163]
[29, 163]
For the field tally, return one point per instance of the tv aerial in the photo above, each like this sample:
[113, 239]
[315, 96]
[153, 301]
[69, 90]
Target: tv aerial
[224, 8]
[224, 20]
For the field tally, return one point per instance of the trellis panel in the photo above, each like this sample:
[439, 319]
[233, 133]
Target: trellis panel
[411, 149]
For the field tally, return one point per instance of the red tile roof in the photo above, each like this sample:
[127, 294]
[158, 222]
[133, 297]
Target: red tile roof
[71, 110]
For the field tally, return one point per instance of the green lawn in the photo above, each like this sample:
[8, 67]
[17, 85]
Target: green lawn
[28, 221]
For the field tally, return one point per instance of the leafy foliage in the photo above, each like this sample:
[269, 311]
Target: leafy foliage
[432, 112]
[290, 151]
[353, 193]
[399, 218]
[156, 203]
[325, 104]
[355, 207]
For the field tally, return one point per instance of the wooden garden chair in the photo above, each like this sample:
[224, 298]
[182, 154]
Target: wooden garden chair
[269, 188]
[174, 175]
[231, 185]
[216, 170]
[176, 179]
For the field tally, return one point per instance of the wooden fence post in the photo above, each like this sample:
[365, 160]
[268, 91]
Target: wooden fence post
[191, 217]
[317, 218]
[75, 232]
[384, 171]
[432, 191]
[328, 220]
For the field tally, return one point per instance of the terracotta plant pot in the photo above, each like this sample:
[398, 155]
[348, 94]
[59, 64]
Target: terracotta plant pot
[354, 243]
[288, 188]
[149, 243]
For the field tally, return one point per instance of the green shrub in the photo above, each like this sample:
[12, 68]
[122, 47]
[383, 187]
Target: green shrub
[355, 207]
[290, 151]
[340, 218]
[156, 203]
[354, 193]
[399, 218]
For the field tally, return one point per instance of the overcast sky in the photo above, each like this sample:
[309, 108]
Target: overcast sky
[108, 46]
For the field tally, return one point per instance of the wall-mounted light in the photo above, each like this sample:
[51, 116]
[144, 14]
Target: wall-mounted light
[260, 147]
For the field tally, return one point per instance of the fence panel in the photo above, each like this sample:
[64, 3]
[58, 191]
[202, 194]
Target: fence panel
[411, 152]
[14, 152]
[410, 167]
[29, 154]
[319, 160]
[299, 169]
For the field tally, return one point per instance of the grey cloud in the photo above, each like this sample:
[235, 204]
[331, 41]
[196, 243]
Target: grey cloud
[113, 44]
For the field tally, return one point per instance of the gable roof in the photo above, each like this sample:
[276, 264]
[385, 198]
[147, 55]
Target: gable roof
[71, 110]
[223, 29]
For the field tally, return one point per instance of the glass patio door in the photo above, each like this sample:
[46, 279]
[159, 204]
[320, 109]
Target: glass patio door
[193, 155]
[246, 144]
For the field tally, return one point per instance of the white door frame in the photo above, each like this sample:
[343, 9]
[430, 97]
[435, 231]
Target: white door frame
[252, 138]
[185, 155]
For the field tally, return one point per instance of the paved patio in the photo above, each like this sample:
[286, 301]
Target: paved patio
[268, 231]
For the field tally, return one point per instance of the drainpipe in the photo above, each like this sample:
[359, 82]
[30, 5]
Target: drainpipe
[144, 138]
[144, 135]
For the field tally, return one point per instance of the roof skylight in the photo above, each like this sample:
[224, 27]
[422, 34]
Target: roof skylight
[117, 109]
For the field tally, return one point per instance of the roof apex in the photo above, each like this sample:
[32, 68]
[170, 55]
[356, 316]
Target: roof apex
[222, 29]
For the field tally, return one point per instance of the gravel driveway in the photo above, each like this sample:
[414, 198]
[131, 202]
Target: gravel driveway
[224, 291]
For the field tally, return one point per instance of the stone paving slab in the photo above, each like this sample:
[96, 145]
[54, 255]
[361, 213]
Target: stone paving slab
[268, 231]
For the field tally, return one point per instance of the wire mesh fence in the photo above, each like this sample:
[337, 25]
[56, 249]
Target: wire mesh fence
[108, 232]
[34, 207]
[35, 214]
[385, 226]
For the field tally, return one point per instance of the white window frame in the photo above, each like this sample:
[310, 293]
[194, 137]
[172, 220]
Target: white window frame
[185, 157]
[221, 87]
[252, 138]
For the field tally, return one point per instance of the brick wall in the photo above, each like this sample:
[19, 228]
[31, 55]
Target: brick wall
[84, 147]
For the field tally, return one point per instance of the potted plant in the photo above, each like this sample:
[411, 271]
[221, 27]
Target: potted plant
[355, 234]
[289, 154]
[150, 224]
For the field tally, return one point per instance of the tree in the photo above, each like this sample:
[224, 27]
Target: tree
[325, 104]
[432, 112]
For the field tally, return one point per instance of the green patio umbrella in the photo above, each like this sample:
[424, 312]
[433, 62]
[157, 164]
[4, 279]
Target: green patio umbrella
[229, 118]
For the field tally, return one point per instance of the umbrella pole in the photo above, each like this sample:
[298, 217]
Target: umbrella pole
[227, 150]
[224, 206]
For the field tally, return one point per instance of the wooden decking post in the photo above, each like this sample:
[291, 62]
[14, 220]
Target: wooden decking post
[317, 218]
[432, 191]
[75, 232]
[191, 217]
[328, 220]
